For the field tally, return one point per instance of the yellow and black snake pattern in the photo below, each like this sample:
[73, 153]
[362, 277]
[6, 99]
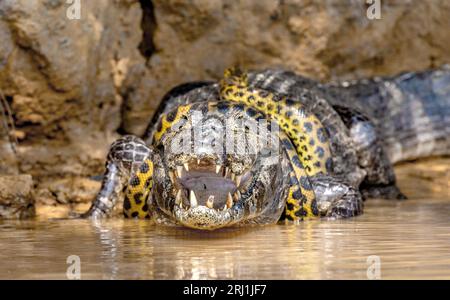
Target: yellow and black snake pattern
[303, 128]
[135, 204]
[169, 120]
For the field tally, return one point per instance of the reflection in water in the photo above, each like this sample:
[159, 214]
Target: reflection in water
[412, 239]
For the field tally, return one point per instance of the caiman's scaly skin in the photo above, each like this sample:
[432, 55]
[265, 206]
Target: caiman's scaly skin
[299, 149]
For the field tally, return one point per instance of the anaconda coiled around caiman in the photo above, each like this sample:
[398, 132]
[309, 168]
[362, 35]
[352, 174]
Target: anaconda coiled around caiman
[271, 145]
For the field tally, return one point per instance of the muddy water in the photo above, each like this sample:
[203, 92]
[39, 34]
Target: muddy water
[411, 239]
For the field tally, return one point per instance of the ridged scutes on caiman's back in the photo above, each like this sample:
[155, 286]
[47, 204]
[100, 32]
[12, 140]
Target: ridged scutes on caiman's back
[411, 111]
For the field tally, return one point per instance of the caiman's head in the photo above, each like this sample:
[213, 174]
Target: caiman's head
[221, 165]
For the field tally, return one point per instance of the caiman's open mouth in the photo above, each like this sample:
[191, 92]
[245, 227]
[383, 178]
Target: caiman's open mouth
[208, 195]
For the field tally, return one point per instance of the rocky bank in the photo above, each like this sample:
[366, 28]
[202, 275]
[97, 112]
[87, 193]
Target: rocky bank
[75, 85]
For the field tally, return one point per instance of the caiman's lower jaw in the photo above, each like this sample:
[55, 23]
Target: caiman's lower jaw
[208, 196]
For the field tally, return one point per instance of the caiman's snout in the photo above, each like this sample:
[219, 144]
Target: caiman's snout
[208, 195]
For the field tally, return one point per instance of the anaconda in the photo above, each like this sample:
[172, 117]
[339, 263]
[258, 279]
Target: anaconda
[265, 146]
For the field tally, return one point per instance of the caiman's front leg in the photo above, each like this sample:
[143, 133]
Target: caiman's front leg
[380, 178]
[129, 171]
[335, 198]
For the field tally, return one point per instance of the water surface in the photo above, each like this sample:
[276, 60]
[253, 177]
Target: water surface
[411, 239]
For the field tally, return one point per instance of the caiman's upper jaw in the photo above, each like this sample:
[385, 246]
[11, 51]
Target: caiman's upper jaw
[208, 195]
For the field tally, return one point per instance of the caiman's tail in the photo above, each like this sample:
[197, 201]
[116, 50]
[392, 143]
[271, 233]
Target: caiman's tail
[411, 111]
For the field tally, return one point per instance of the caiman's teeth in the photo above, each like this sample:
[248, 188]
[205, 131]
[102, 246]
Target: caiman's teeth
[238, 180]
[179, 171]
[229, 200]
[172, 176]
[218, 167]
[237, 195]
[227, 170]
[178, 198]
[193, 199]
[198, 161]
[186, 166]
[210, 201]
[224, 207]
[233, 176]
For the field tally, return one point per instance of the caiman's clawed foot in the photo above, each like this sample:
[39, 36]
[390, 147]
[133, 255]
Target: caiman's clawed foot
[335, 198]
[129, 167]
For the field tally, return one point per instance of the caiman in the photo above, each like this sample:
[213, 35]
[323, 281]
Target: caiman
[271, 145]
